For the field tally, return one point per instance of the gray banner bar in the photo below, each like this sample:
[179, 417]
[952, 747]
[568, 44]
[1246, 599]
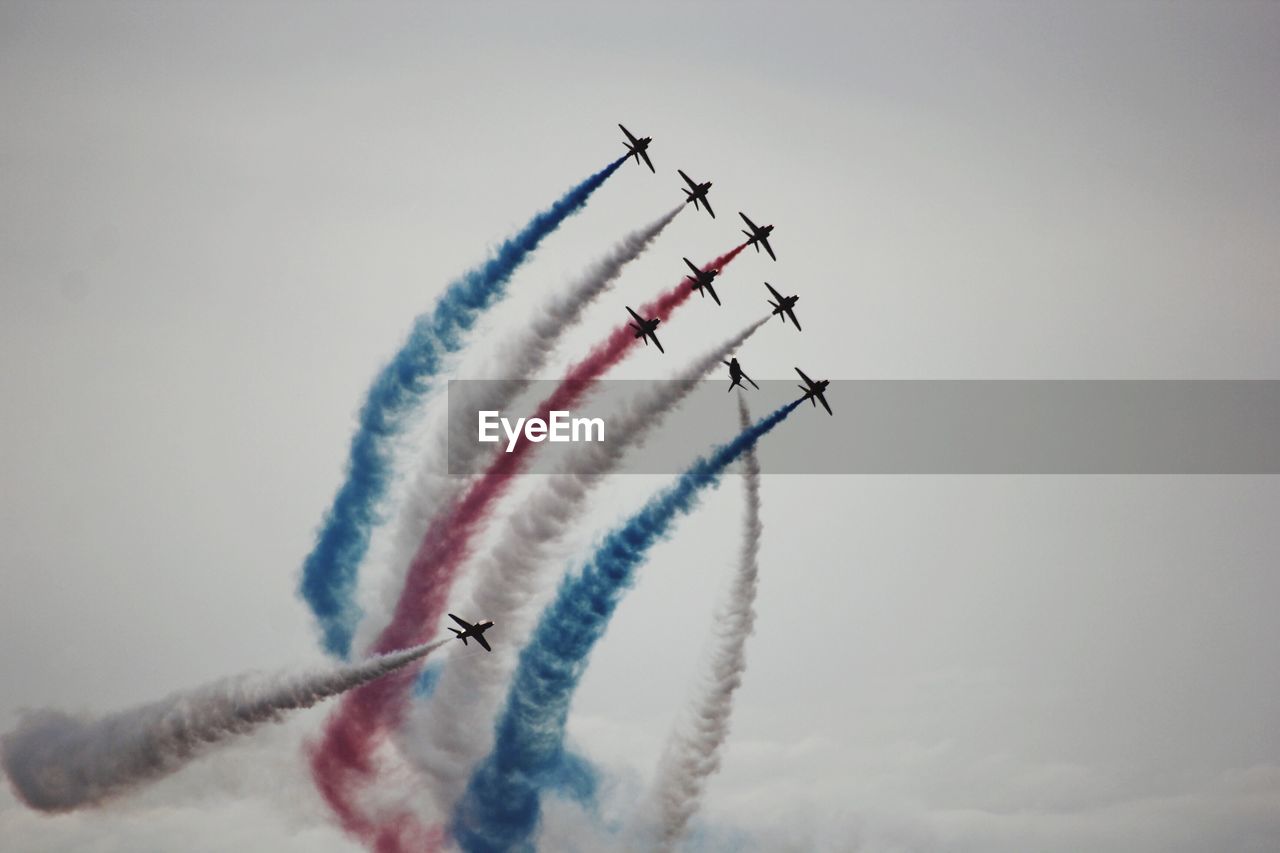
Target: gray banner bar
[919, 427]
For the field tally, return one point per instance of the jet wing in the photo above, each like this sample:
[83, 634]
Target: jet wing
[696, 272]
[479, 638]
[634, 141]
[792, 315]
[463, 622]
[752, 381]
[648, 162]
[776, 294]
[823, 401]
[639, 319]
[768, 248]
[750, 224]
[688, 180]
[713, 292]
[708, 204]
[807, 380]
[653, 337]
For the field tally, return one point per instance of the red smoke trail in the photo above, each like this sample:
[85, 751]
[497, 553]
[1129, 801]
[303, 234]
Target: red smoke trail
[343, 760]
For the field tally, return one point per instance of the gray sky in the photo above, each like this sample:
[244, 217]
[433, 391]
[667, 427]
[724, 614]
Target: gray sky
[217, 222]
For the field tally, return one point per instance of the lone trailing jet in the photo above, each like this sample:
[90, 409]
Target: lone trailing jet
[639, 148]
[736, 374]
[702, 279]
[697, 191]
[813, 391]
[758, 235]
[783, 307]
[475, 631]
[644, 329]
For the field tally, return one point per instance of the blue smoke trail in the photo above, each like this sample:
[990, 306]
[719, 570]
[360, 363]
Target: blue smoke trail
[574, 778]
[501, 808]
[329, 572]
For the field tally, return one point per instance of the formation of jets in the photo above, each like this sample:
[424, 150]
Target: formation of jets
[475, 632]
[701, 279]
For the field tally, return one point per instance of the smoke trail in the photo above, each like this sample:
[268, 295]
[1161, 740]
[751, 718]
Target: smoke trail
[329, 571]
[521, 357]
[501, 808]
[693, 753]
[342, 761]
[454, 733]
[58, 762]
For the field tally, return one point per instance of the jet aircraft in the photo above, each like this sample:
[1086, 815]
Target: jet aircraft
[639, 148]
[475, 631]
[758, 235]
[785, 304]
[702, 279]
[644, 329]
[697, 191]
[737, 374]
[813, 391]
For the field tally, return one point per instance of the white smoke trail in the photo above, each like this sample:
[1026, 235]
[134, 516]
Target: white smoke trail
[693, 751]
[58, 762]
[455, 731]
[522, 355]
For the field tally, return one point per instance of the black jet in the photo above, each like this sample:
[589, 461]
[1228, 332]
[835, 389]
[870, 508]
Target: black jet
[783, 307]
[702, 279]
[813, 391]
[645, 328]
[475, 631]
[758, 235]
[638, 148]
[737, 374]
[697, 191]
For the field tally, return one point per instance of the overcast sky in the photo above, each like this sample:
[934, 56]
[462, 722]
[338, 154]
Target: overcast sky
[217, 222]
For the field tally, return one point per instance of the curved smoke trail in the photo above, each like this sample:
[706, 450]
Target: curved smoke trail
[342, 761]
[693, 753]
[58, 762]
[454, 730]
[521, 356]
[329, 571]
[501, 808]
